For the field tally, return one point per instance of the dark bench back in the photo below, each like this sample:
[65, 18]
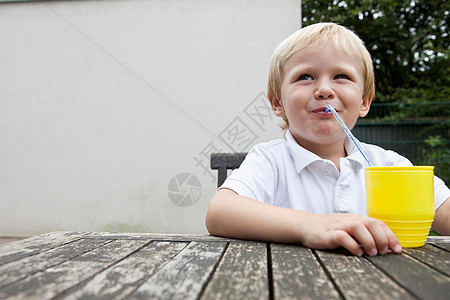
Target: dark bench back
[224, 162]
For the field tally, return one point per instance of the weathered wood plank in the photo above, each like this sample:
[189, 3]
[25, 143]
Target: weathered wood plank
[53, 281]
[297, 274]
[185, 275]
[241, 274]
[30, 246]
[357, 278]
[445, 247]
[421, 280]
[159, 237]
[442, 242]
[432, 256]
[438, 239]
[125, 277]
[19, 269]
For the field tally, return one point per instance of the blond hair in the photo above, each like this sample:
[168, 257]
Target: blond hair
[320, 33]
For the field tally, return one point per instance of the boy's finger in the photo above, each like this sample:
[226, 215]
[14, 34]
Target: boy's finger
[379, 234]
[393, 242]
[365, 238]
[345, 240]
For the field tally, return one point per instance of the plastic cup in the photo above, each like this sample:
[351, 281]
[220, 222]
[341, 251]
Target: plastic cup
[403, 198]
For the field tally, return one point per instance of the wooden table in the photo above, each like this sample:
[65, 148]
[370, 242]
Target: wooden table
[77, 265]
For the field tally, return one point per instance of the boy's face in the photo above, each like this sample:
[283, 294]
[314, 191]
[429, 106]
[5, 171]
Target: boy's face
[313, 78]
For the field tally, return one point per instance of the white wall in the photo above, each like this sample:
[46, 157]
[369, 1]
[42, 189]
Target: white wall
[104, 103]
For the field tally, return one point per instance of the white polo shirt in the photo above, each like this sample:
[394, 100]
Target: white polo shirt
[283, 173]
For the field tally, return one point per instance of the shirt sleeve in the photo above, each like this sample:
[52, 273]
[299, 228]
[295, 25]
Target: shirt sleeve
[441, 192]
[255, 176]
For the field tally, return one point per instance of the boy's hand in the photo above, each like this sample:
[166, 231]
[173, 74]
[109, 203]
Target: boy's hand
[240, 217]
[348, 231]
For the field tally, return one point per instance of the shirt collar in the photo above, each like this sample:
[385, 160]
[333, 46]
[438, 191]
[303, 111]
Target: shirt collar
[302, 157]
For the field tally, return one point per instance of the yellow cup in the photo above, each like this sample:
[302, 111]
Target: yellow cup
[403, 198]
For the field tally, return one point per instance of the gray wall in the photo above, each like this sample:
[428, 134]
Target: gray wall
[109, 109]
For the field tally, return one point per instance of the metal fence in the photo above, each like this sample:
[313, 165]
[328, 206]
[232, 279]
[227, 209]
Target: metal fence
[418, 131]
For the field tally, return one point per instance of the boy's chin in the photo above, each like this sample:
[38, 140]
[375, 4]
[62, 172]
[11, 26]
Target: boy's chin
[323, 135]
[320, 139]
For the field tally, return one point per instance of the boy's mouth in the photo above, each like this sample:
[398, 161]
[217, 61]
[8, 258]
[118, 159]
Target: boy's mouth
[321, 111]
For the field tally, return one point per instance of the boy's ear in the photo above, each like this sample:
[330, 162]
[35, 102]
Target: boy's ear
[365, 107]
[277, 106]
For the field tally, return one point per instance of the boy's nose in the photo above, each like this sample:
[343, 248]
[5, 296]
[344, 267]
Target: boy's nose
[323, 92]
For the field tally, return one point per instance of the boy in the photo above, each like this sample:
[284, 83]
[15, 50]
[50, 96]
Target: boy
[309, 188]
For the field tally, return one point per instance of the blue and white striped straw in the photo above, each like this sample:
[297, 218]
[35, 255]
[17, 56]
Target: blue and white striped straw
[350, 135]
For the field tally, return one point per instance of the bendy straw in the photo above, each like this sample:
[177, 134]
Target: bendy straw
[350, 135]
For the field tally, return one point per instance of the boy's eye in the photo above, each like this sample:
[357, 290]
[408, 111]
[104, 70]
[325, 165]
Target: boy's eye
[305, 77]
[341, 76]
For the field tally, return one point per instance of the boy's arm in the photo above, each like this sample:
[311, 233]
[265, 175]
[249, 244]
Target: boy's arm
[237, 216]
[441, 222]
